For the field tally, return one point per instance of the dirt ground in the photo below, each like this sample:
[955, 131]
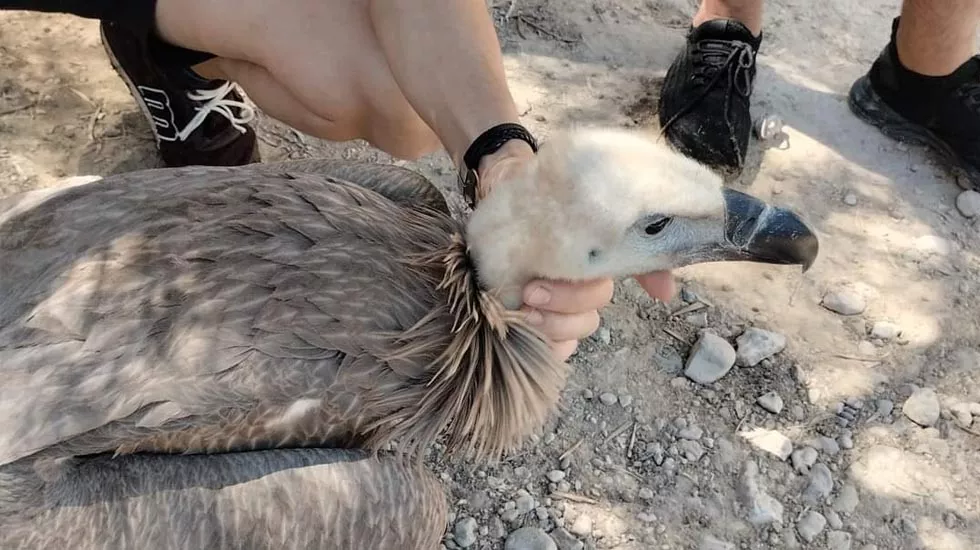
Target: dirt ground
[641, 457]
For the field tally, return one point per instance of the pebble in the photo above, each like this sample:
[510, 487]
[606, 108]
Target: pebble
[833, 519]
[975, 409]
[761, 508]
[820, 485]
[692, 450]
[625, 400]
[608, 398]
[838, 540]
[529, 538]
[810, 525]
[691, 432]
[582, 526]
[756, 344]
[605, 335]
[709, 542]
[803, 459]
[646, 517]
[565, 540]
[464, 532]
[922, 407]
[844, 302]
[828, 445]
[968, 203]
[587, 394]
[847, 499]
[524, 501]
[771, 402]
[850, 199]
[867, 349]
[688, 295]
[885, 330]
[770, 441]
[645, 494]
[961, 412]
[885, 407]
[555, 476]
[845, 440]
[711, 358]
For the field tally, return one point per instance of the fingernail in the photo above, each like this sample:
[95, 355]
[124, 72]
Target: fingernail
[534, 317]
[539, 296]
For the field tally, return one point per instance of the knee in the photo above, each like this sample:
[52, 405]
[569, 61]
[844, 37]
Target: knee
[401, 132]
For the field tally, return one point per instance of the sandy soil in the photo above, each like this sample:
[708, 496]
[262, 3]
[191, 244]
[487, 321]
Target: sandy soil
[649, 459]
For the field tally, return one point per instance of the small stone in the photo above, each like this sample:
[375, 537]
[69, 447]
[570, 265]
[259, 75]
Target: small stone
[820, 485]
[961, 413]
[709, 542]
[529, 538]
[645, 494]
[850, 199]
[625, 400]
[756, 344]
[810, 525]
[464, 532]
[833, 519]
[604, 335]
[761, 508]
[968, 203]
[688, 295]
[524, 501]
[587, 394]
[582, 526]
[711, 358]
[771, 402]
[691, 432]
[885, 330]
[922, 407]
[828, 445]
[845, 440]
[867, 349]
[803, 459]
[608, 398]
[838, 540]
[885, 407]
[555, 476]
[692, 450]
[974, 409]
[907, 526]
[646, 517]
[847, 499]
[844, 302]
[770, 441]
[565, 540]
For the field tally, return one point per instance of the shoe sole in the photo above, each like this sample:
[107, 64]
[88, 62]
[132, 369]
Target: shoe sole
[868, 106]
[133, 89]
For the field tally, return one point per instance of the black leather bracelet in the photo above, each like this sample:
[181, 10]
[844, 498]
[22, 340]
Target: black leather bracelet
[487, 143]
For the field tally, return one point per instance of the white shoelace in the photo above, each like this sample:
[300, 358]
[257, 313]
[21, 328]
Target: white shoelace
[216, 102]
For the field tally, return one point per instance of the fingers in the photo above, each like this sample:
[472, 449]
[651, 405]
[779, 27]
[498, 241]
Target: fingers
[562, 297]
[564, 350]
[559, 327]
[658, 284]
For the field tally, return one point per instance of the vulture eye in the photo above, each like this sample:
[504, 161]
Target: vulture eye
[657, 226]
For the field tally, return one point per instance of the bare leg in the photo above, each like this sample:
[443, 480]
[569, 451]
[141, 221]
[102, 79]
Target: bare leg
[747, 12]
[937, 36]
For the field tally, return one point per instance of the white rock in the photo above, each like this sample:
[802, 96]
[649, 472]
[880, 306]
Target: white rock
[756, 344]
[709, 542]
[760, 507]
[844, 301]
[608, 398]
[769, 441]
[566, 540]
[961, 412]
[922, 407]
[975, 409]
[711, 358]
[885, 330]
[810, 525]
[820, 486]
[555, 476]
[968, 203]
[850, 199]
[529, 538]
[771, 402]
[582, 526]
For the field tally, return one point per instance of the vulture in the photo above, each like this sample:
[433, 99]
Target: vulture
[250, 357]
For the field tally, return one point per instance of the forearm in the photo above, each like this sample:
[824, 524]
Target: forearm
[445, 57]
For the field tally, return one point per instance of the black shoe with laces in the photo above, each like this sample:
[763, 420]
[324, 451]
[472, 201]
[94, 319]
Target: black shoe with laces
[195, 121]
[940, 112]
[704, 102]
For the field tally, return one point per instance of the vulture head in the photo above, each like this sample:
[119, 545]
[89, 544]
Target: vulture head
[598, 203]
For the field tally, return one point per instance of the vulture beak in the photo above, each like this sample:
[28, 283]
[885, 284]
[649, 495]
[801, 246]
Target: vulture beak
[758, 232]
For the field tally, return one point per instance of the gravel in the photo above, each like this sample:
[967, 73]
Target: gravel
[922, 407]
[711, 358]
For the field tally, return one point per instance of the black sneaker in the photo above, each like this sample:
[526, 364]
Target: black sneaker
[704, 102]
[940, 112]
[195, 121]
